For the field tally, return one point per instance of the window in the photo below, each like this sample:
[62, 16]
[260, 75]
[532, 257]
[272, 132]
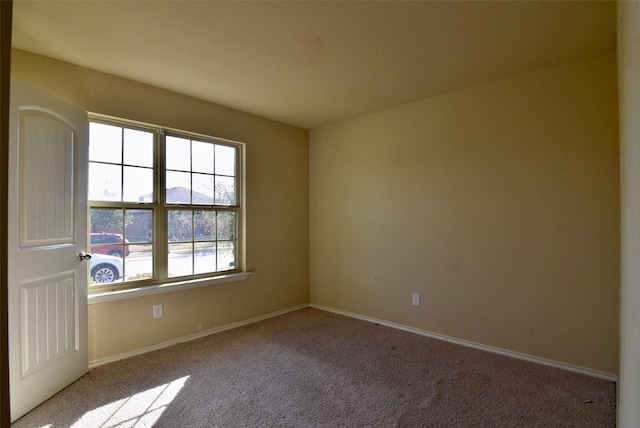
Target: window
[163, 205]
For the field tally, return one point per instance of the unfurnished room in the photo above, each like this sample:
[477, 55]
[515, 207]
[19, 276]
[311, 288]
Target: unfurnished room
[320, 214]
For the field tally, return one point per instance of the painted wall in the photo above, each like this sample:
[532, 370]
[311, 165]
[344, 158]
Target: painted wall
[277, 221]
[629, 72]
[499, 204]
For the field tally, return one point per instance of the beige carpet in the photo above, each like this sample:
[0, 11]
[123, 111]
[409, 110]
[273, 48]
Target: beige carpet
[312, 368]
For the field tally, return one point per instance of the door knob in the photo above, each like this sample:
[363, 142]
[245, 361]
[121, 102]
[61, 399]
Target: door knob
[84, 256]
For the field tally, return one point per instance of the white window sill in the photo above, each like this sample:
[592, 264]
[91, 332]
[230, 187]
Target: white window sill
[165, 288]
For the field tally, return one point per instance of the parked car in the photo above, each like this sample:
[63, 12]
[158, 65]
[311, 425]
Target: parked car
[109, 243]
[105, 268]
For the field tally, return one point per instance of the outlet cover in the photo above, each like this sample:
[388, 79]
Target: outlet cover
[157, 311]
[415, 299]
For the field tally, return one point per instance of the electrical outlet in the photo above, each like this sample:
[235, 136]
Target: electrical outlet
[157, 311]
[415, 299]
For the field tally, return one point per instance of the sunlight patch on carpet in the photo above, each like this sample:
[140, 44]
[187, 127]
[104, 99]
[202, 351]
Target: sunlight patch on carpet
[140, 410]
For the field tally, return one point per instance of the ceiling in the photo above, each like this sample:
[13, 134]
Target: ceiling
[310, 63]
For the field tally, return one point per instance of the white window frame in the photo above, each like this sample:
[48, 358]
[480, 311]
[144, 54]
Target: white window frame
[161, 282]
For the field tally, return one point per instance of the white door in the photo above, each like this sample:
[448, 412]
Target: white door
[47, 231]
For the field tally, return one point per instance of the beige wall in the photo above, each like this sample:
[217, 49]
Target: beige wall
[499, 204]
[277, 208]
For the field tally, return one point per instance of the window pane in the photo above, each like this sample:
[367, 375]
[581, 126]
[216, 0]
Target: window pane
[138, 147]
[226, 225]
[139, 263]
[139, 226]
[204, 260]
[178, 153]
[105, 269]
[138, 184]
[105, 143]
[225, 191]
[180, 259]
[180, 226]
[106, 220]
[202, 189]
[204, 225]
[225, 160]
[178, 187]
[106, 232]
[105, 182]
[226, 255]
[202, 157]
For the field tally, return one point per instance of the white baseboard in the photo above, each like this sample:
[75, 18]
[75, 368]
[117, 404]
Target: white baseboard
[513, 354]
[102, 361]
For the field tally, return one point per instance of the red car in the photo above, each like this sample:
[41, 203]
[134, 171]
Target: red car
[109, 243]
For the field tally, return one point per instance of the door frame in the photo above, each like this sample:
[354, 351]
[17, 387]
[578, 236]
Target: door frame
[6, 15]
